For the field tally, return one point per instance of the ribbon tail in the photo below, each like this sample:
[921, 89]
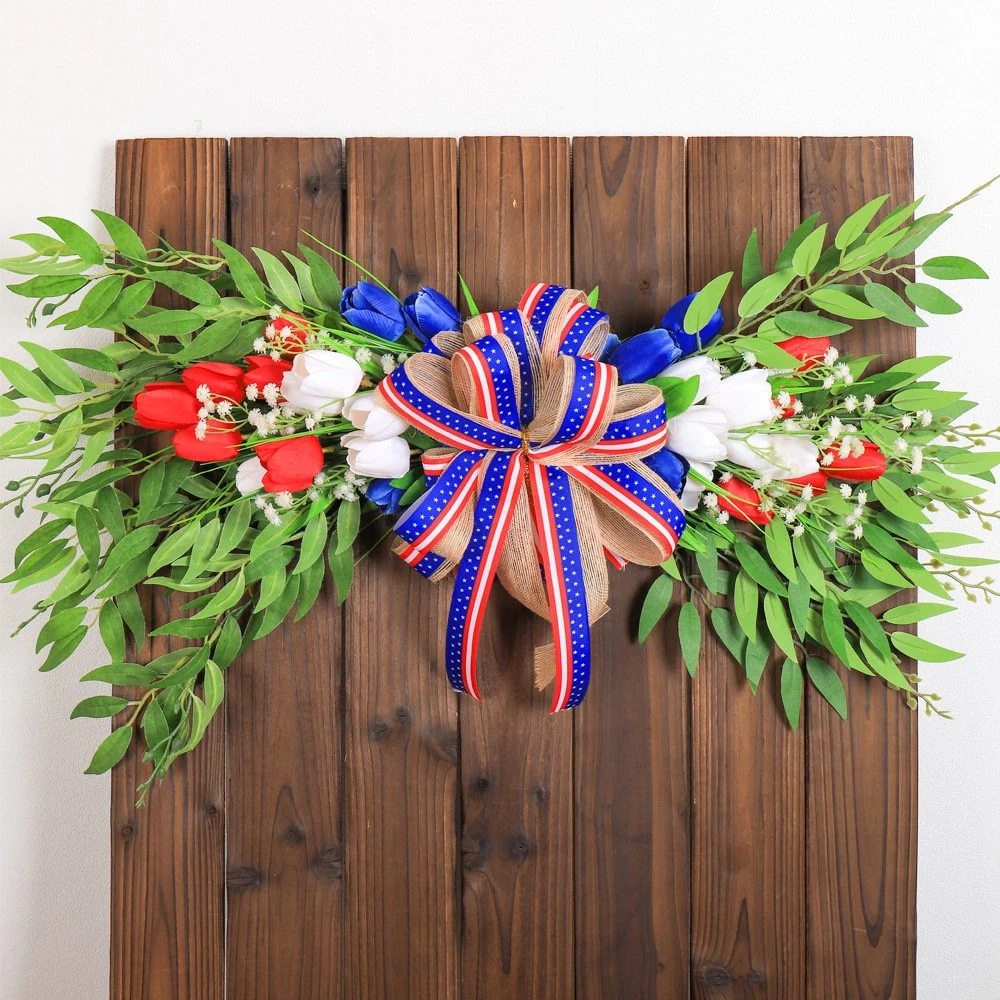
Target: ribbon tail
[552, 506]
[501, 484]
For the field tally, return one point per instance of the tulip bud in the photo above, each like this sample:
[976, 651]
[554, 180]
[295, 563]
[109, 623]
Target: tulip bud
[430, 313]
[374, 310]
[742, 501]
[863, 468]
[809, 350]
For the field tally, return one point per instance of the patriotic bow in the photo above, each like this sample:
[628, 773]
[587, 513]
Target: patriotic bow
[540, 478]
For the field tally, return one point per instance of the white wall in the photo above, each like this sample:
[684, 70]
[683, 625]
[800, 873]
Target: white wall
[75, 76]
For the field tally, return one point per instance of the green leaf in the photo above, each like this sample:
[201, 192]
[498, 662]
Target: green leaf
[918, 611]
[705, 303]
[59, 625]
[26, 382]
[807, 253]
[101, 706]
[920, 649]
[777, 624]
[746, 600]
[244, 276]
[49, 286]
[689, 633]
[729, 632]
[841, 304]
[791, 691]
[827, 681]
[213, 339]
[77, 239]
[133, 298]
[173, 547]
[778, 543]
[882, 569]
[133, 544]
[214, 686]
[869, 626]
[888, 302]
[792, 243]
[190, 286]
[678, 394]
[897, 502]
[931, 299]
[97, 302]
[124, 237]
[348, 522]
[755, 659]
[757, 567]
[313, 543]
[654, 605]
[856, 223]
[767, 353]
[798, 603]
[111, 751]
[121, 673]
[762, 294]
[168, 323]
[915, 235]
[952, 268]
[54, 368]
[63, 648]
[833, 629]
[234, 528]
[324, 278]
[112, 630]
[342, 570]
[753, 267]
[280, 281]
[225, 599]
[155, 729]
[467, 295]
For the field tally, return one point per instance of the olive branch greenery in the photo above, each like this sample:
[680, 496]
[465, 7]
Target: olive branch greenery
[119, 512]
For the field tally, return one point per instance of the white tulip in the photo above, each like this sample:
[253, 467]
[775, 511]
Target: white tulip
[745, 398]
[376, 459]
[699, 434]
[320, 381]
[250, 476]
[369, 414]
[780, 456]
[691, 496]
[707, 369]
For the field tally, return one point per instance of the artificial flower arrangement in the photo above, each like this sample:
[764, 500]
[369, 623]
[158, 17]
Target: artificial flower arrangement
[230, 451]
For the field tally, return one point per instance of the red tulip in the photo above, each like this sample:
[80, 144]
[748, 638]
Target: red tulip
[863, 468]
[743, 502]
[263, 370]
[290, 464]
[221, 442]
[817, 480]
[291, 332]
[223, 381]
[165, 406]
[809, 350]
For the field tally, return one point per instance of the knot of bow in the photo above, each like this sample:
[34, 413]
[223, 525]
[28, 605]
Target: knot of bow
[539, 478]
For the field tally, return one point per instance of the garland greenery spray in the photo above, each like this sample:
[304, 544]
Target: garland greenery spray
[229, 452]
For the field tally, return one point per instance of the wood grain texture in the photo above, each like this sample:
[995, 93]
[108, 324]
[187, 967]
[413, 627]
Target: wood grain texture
[284, 708]
[167, 897]
[862, 793]
[401, 876]
[747, 767]
[631, 733]
[516, 760]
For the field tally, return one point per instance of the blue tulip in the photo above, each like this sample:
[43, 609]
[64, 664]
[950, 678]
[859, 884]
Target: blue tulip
[374, 310]
[645, 355]
[673, 320]
[430, 313]
[383, 494]
[670, 467]
[610, 346]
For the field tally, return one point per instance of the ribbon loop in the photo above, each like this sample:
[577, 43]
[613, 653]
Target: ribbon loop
[540, 478]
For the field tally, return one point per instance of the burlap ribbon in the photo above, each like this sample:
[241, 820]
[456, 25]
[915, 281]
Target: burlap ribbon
[540, 478]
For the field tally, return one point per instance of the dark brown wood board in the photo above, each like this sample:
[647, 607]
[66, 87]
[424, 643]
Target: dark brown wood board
[862, 776]
[631, 733]
[747, 767]
[402, 907]
[352, 828]
[167, 881]
[284, 708]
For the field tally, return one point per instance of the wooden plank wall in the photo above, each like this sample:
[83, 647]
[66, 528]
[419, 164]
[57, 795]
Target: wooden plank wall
[351, 828]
